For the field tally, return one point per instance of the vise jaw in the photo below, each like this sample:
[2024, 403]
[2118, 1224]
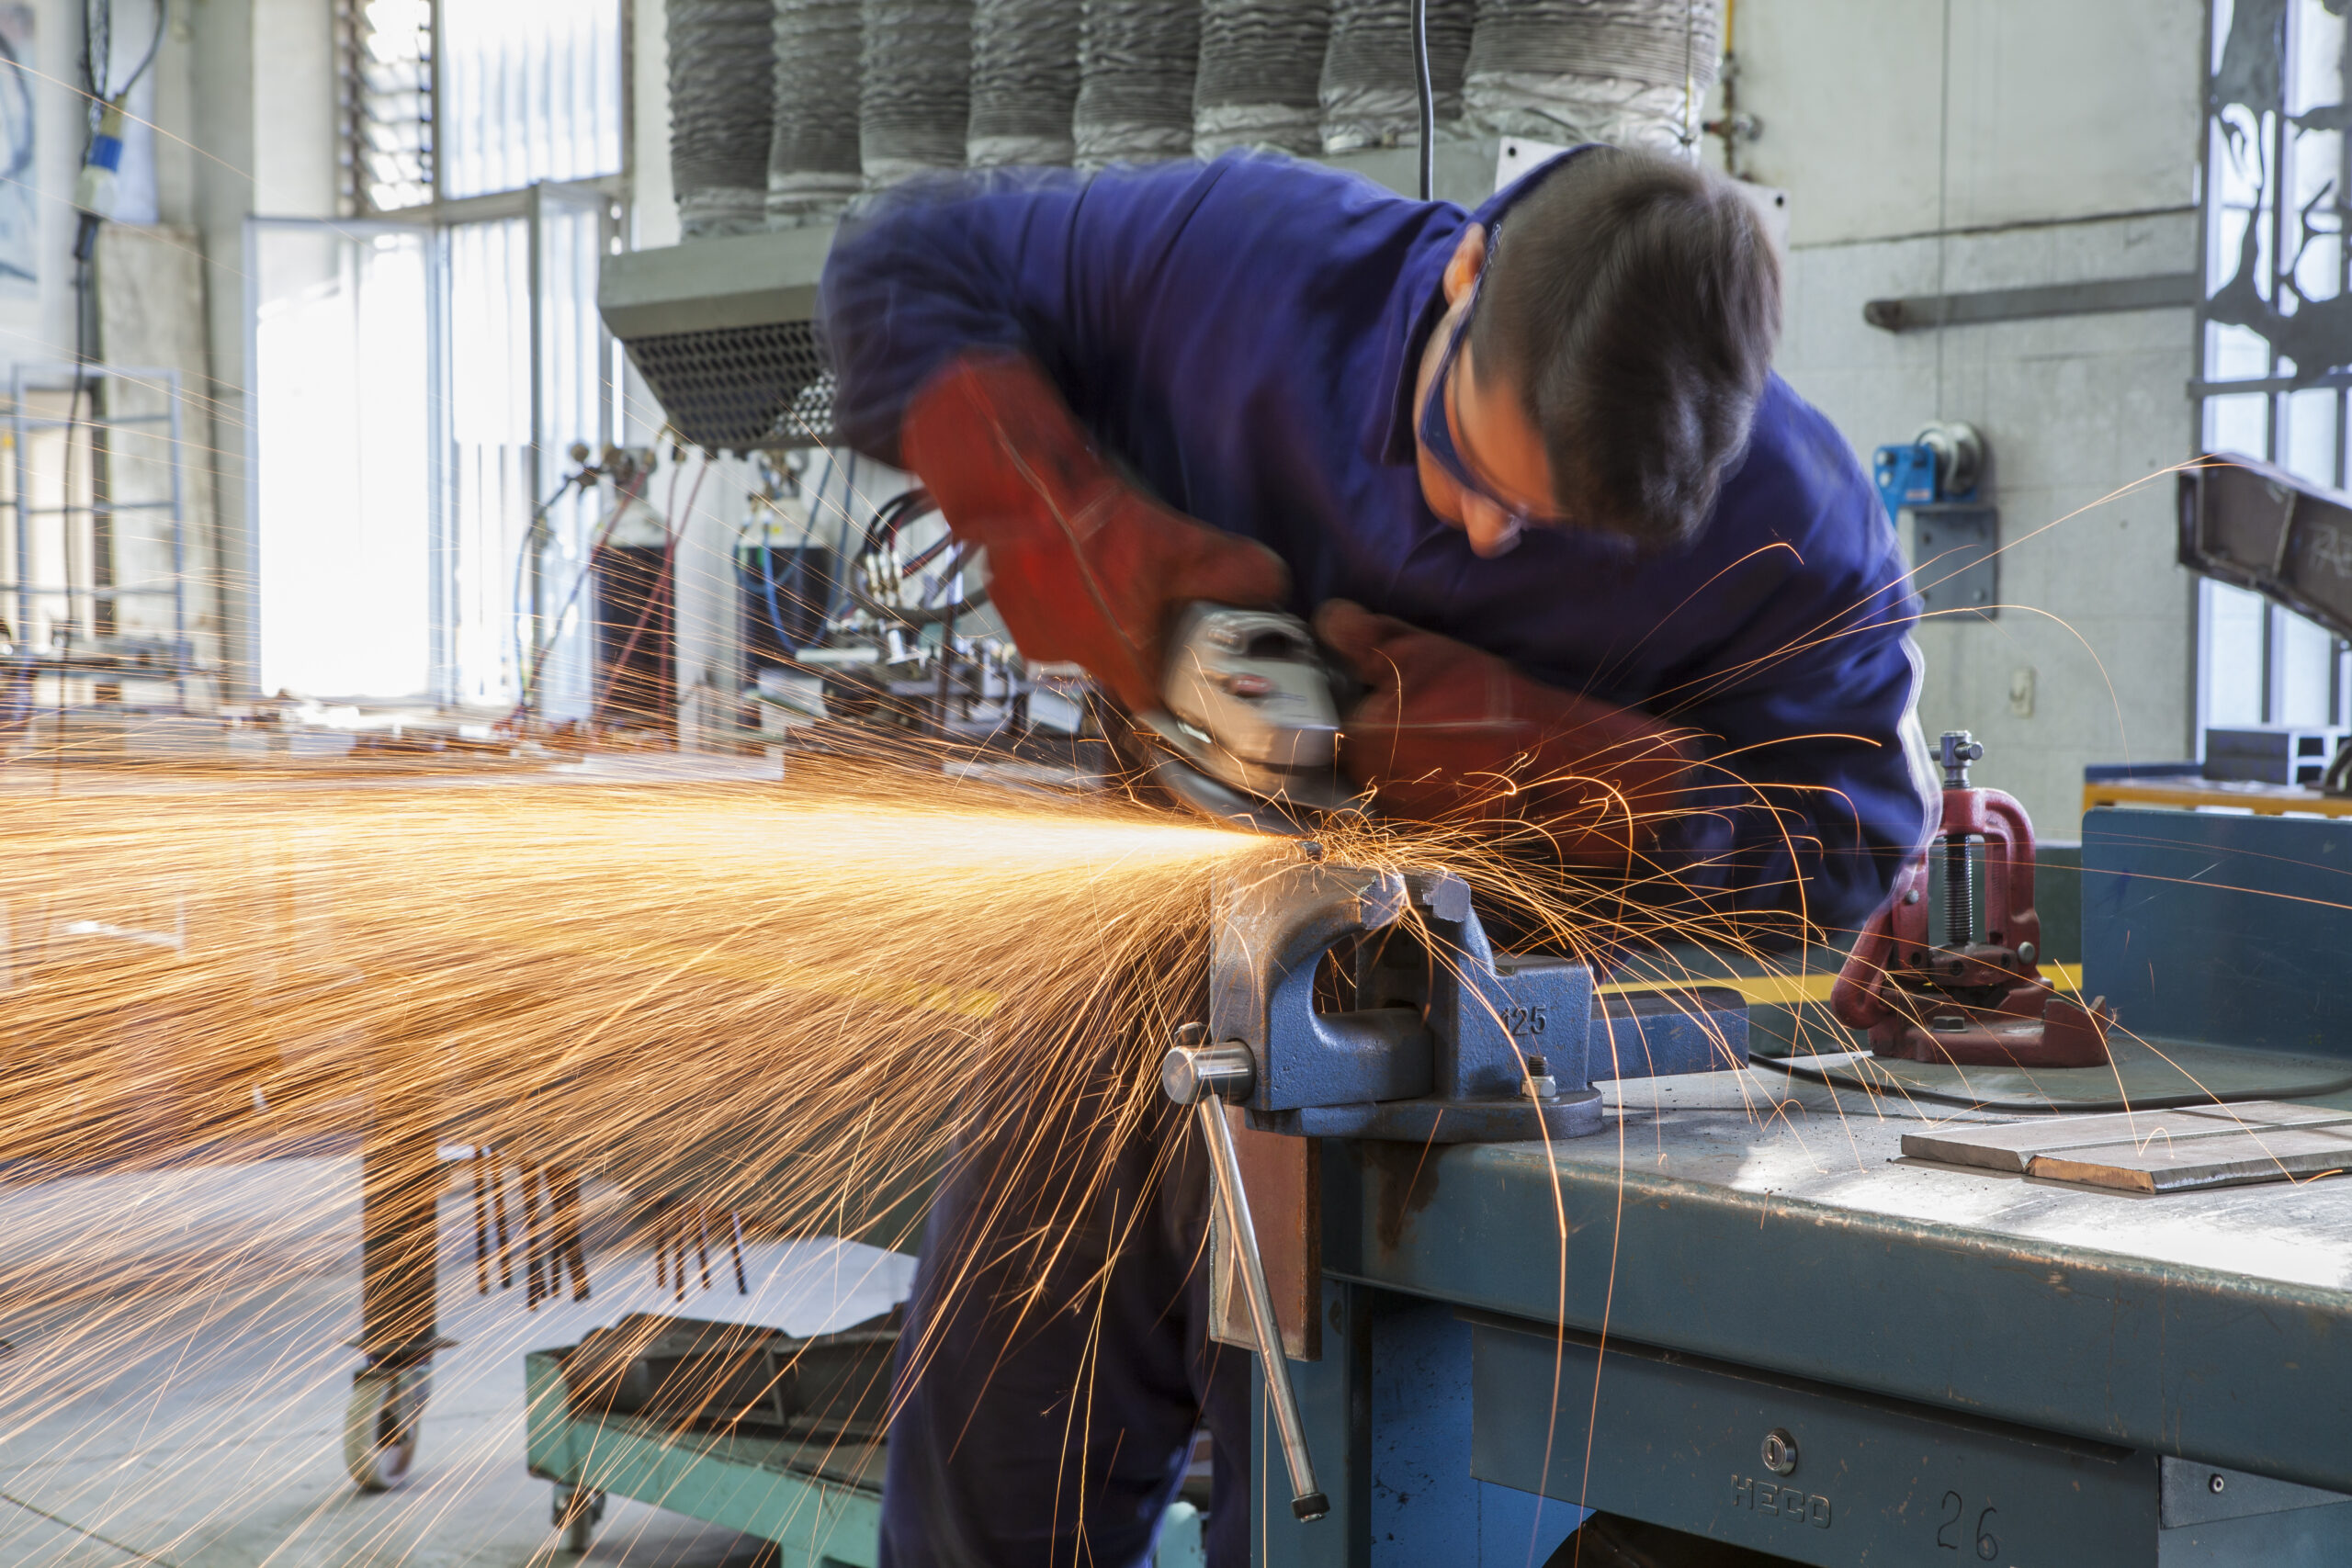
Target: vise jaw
[1443, 1039]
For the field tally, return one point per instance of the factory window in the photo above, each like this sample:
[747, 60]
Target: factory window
[2275, 373]
[386, 104]
[531, 91]
[484, 170]
[453, 98]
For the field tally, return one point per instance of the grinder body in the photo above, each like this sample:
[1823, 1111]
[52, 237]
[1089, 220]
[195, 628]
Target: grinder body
[1248, 730]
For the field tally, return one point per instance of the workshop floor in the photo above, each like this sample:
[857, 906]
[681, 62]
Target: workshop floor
[185, 1408]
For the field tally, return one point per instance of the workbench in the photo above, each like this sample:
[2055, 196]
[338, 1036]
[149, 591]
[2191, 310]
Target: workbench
[1740, 1311]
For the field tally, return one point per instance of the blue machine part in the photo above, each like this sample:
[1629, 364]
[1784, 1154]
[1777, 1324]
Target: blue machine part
[1906, 476]
[1454, 1034]
[2198, 925]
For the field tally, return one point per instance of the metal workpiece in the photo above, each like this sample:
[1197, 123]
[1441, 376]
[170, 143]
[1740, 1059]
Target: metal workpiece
[1202, 1076]
[1440, 1040]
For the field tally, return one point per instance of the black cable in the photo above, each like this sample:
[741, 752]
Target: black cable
[154, 45]
[881, 532]
[1428, 97]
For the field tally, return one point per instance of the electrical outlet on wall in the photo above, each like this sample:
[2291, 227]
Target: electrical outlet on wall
[2022, 691]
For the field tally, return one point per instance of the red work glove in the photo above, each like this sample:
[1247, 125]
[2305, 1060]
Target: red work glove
[1447, 733]
[1083, 566]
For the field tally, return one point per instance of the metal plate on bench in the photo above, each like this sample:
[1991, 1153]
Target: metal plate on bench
[2146, 1075]
[2161, 1151]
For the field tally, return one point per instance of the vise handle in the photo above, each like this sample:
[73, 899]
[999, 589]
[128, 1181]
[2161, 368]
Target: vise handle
[1204, 1077]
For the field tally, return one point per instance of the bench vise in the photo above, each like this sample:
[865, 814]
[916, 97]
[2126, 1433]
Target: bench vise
[1449, 1041]
[1441, 1039]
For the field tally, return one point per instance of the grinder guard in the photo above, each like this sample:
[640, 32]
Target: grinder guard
[1250, 732]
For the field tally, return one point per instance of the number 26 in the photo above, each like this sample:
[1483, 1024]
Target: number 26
[1988, 1545]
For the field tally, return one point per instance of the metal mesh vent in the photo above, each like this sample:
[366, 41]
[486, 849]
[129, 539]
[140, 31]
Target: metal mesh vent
[737, 388]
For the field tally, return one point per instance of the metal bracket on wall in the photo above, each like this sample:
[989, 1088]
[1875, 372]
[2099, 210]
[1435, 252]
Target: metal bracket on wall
[2163, 291]
[1955, 557]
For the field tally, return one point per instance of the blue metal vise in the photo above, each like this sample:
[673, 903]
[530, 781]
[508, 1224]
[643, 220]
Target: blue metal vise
[1446, 1041]
[1449, 1041]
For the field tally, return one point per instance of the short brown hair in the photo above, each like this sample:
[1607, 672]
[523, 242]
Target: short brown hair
[1635, 300]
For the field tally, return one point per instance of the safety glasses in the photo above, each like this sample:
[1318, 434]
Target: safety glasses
[1437, 411]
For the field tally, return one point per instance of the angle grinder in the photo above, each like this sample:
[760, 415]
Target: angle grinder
[1250, 730]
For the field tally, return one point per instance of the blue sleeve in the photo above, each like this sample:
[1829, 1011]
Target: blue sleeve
[1050, 260]
[1809, 799]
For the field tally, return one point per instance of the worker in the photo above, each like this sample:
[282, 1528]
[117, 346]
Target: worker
[1602, 574]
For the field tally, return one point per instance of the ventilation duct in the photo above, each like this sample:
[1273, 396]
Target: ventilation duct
[1369, 96]
[1136, 62]
[915, 97]
[1024, 81]
[1627, 72]
[813, 165]
[722, 90]
[1262, 66]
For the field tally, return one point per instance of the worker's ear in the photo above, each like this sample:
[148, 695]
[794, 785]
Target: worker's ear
[1468, 261]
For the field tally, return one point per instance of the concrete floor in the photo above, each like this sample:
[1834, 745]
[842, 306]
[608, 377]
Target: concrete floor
[180, 1366]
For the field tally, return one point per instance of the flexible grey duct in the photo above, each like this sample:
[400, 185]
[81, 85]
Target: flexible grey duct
[1024, 81]
[1628, 71]
[1136, 62]
[722, 90]
[915, 98]
[1369, 97]
[813, 165]
[1262, 66]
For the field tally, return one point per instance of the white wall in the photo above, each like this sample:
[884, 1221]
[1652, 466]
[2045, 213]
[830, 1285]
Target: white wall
[296, 167]
[2063, 152]
[654, 215]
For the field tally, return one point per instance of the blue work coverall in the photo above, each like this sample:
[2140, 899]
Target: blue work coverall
[1242, 336]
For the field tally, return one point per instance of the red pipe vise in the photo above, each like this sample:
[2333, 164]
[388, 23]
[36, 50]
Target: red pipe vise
[1969, 1001]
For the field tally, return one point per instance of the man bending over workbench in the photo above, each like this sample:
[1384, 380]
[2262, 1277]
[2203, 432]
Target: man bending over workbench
[1600, 570]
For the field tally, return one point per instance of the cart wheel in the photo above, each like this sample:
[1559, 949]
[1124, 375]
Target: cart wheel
[381, 1424]
[578, 1511]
